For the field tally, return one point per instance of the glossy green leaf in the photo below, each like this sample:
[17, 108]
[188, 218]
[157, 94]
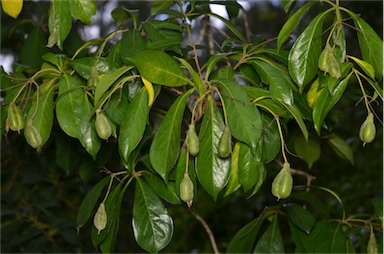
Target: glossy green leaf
[83, 66]
[244, 119]
[133, 43]
[195, 76]
[244, 239]
[83, 10]
[371, 45]
[233, 182]
[326, 237]
[308, 150]
[279, 85]
[107, 81]
[260, 181]
[161, 5]
[89, 202]
[230, 26]
[59, 23]
[301, 217]
[341, 148]
[270, 139]
[212, 171]
[365, 66]
[159, 68]
[133, 124]
[162, 34]
[304, 55]
[271, 241]
[249, 167]
[41, 112]
[291, 24]
[166, 191]
[288, 5]
[34, 48]
[326, 101]
[166, 142]
[212, 61]
[117, 106]
[295, 112]
[88, 135]
[310, 198]
[152, 226]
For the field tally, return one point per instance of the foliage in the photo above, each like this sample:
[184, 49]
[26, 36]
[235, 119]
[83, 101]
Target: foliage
[129, 99]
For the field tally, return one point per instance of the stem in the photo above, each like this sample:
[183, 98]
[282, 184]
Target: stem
[223, 104]
[281, 138]
[208, 230]
[357, 74]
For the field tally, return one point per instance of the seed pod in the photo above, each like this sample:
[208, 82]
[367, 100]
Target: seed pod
[186, 190]
[32, 135]
[372, 244]
[100, 219]
[15, 118]
[323, 63]
[93, 80]
[313, 93]
[367, 131]
[334, 66]
[103, 127]
[282, 184]
[192, 140]
[225, 143]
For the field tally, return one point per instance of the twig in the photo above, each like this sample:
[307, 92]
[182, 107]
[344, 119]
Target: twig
[208, 230]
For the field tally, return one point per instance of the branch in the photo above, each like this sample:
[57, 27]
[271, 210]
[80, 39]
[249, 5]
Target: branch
[208, 230]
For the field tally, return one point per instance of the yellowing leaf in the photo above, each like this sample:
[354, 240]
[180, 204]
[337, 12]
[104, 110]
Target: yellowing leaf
[12, 7]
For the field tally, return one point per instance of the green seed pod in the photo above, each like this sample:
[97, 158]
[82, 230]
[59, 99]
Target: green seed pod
[283, 182]
[334, 66]
[103, 127]
[367, 131]
[372, 244]
[192, 140]
[186, 190]
[100, 219]
[15, 118]
[323, 63]
[93, 80]
[32, 135]
[225, 143]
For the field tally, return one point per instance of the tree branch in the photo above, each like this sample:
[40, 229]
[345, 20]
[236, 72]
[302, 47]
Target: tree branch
[208, 230]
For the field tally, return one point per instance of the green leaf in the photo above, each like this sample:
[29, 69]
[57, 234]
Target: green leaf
[88, 135]
[291, 24]
[59, 22]
[233, 182]
[322, 210]
[244, 239]
[83, 10]
[271, 241]
[152, 226]
[378, 205]
[249, 167]
[133, 43]
[166, 142]
[83, 66]
[41, 112]
[279, 84]
[107, 81]
[295, 112]
[288, 5]
[341, 148]
[260, 181]
[326, 237]
[301, 217]
[159, 68]
[162, 34]
[230, 26]
[117, 106]
[66, 153]
[244, 119]
[367, 67]
[269, 139]
[166, 191]
[197, 82]
[89, 202]
[161, 5]
[34, 48]
[308, 150]
[133, 124]
[305, 52]
[212, 171]
[371, 45]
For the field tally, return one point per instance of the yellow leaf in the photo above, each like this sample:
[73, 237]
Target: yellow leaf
[151, 93]
[12, 7]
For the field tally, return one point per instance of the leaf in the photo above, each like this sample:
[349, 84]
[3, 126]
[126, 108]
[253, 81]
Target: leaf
[308, 150]
[34, 48]
[270, 139]
[166, 142]
[212, 171]
[244, 239]
[288, 5]
[230, 26]
[291, 24]
[161, 5]
[12, 7]
[83, 10]
[305, 52]
[107, 81]
[301, 217]
[83, 66]
[117, 106]
[152, 226]
[41, 112]
[166, 191]
[326, 237]
[378, 205]
[279, 85]
[133, 43]
[233, 183]
[59, 23]
[88, 135]
[133, 124]
[367, 67]
[260, 181]
[322, 210]
[295, 112]
[244, 119]
[197, 82]
[371, 45]
[249, 167]
[159, 68]
[341, 148]
[271, 241]
[162, 34]
[89, 202]
[66, 153]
